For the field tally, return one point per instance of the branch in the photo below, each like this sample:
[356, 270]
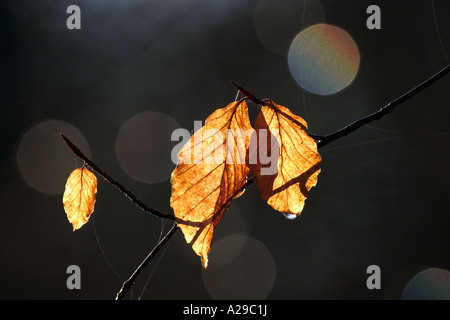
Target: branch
[323, 140]
[129, 283]
[122, 189]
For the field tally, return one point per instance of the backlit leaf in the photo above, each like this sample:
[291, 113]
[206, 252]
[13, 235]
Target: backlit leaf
[211, 171]
[284, 184]
[79, 196]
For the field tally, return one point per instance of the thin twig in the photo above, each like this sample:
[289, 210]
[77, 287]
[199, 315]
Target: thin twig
[129, 283]
[122, 189]
[323, 140]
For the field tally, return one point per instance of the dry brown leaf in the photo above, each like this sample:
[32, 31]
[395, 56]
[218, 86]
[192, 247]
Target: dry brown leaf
[79, 196]
[211, 171]
[285, 188]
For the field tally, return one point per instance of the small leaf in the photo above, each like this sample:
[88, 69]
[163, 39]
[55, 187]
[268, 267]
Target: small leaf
[79, 196]
[211, 171]
[286, 186]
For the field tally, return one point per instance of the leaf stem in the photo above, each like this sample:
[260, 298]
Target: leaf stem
[121, 188]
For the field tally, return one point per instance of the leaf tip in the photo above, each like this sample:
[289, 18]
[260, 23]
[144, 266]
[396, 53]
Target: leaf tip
[205, 262]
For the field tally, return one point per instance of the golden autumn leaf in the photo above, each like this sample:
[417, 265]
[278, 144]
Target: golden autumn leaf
[282, 137]
[79, 196]
[211, 171]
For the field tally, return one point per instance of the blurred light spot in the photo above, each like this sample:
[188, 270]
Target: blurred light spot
[144, 146]
[278, 22]
[44, 160]
[430, 284]
[240, 267]
[323, 59]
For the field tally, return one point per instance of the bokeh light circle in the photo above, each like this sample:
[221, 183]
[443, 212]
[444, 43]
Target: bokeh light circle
[429, 284]
[323, 59]
[44, 160]
[144, 146]
[240, 267]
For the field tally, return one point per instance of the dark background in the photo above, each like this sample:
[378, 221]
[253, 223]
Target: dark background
[382, 197]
